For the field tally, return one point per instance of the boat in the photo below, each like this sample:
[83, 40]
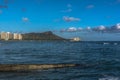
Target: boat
[76, 39]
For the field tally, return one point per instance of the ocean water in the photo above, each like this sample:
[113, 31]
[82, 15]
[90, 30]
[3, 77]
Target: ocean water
[99, 60]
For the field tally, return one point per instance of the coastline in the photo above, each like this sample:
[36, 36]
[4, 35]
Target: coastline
[29, 67]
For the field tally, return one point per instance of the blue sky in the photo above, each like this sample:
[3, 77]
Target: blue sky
[45, 15]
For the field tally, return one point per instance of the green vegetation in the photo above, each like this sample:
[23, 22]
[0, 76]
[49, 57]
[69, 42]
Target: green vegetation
[41, 36]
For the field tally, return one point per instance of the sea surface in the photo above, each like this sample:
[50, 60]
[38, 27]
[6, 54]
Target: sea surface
[100, 60]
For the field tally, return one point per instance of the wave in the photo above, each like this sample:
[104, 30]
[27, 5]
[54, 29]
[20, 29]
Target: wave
[110, 78]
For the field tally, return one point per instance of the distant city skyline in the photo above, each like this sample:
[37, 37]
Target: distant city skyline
[57, 15]
[10, 36]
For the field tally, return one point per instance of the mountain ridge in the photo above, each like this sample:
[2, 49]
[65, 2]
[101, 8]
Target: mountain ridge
[48, 35]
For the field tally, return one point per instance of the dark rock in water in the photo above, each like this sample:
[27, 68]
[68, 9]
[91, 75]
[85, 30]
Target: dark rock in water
[41, 36]
[28, 67]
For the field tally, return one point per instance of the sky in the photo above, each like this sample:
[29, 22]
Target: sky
[58, 15]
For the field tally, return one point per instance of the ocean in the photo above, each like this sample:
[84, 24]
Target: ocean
[100, 60]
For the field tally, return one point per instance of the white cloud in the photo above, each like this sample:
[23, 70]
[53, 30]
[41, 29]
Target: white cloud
[101, 27]
[118, 26]
[25, 19]
[90, 6]
[70, 19]
[72, 29]
[88, 28]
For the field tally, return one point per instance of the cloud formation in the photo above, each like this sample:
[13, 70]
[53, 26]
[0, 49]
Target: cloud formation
[88, 28]
[70, 19]
[111, 29]
[101, 28]
[25, 19]
[72, 29]
[118, 26]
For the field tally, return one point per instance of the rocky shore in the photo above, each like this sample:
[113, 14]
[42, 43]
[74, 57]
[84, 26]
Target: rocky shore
[29, 67]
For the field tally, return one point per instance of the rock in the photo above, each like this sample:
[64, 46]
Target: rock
[29, 67]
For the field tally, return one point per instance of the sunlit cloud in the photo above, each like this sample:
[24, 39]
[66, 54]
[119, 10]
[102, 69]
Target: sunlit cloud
[88, 28]
[70, 19]
[72, 29]
[90, 6]
[101, 27]
[117, 26]
[25, 19]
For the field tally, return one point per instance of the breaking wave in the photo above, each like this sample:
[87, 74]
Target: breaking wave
[110, 78]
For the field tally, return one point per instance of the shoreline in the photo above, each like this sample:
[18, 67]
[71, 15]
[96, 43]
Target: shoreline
[30, 67]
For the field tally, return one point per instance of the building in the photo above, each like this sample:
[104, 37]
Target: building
[6, 36]
[17, 36]
[3, 35]
[9, 36]
[20, 36]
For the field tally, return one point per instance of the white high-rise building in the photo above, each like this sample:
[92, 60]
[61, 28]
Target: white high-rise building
[20, 37]
[6, 36]
[3, 35]
[17, 36]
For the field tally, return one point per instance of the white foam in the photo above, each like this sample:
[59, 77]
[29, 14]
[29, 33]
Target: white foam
[115, 43]
[105, 43]
[110, 78]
